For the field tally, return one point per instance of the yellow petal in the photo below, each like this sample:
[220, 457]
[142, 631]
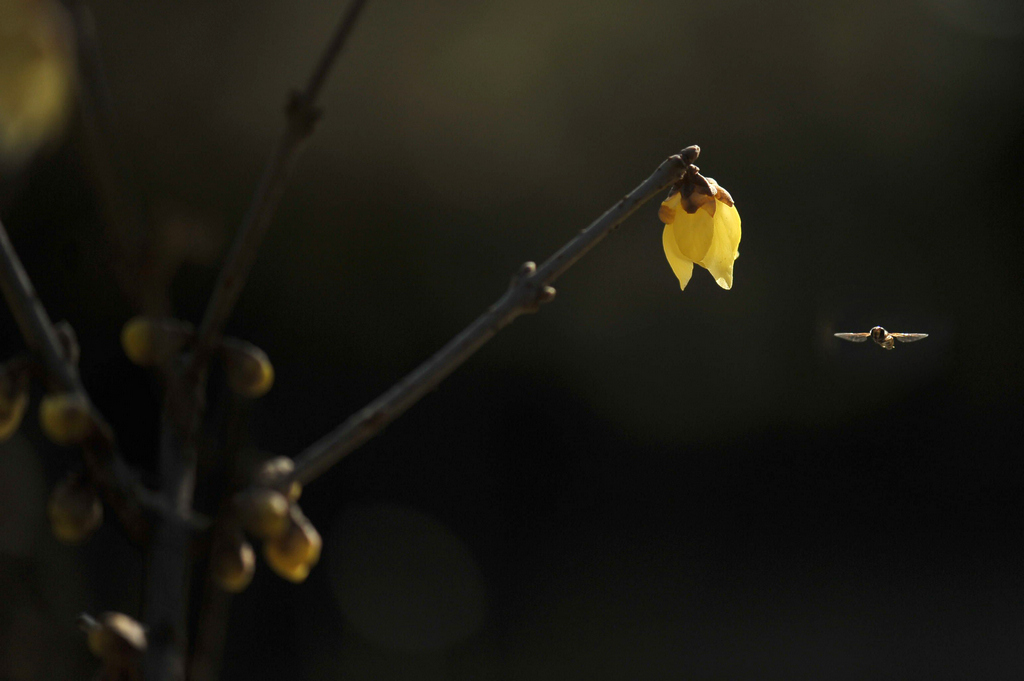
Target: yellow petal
[725, 246]
[682, 267]
[35, 78]
[667, 212]
[694, 233]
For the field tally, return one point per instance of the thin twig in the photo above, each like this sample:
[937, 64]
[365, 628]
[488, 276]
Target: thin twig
[122, 212]
[208, 655]
[302, 115]
[170, 562]
[120, 486]
[232, 471]
[529, 288]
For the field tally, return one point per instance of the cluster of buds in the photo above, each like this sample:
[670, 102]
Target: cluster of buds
[152, 342]
[118, 641]
[66, 417]
[74, 508]
[268, 511]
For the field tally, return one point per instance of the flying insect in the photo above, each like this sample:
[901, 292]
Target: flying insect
[884, 339]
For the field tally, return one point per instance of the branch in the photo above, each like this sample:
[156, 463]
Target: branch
[106, 161]
[529, 288]
[302, 115]
[170, 562]
[211, 631]
[120, 487]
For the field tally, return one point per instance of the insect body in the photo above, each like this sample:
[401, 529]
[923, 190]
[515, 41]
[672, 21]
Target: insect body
[882, 337]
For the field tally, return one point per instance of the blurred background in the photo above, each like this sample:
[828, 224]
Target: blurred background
[636, 482]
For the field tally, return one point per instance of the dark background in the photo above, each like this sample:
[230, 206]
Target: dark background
[635, 482]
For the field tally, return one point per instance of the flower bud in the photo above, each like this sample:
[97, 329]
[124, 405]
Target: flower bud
[65, 418]
[232, 562]
[74, 510]
[275, 473]
[114, 637]
[272, 471]
[249, 371]
[13, 398]
[147, 341]
[263, 512]
[294, 553]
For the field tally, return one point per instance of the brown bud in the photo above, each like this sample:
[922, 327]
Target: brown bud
[720, 193]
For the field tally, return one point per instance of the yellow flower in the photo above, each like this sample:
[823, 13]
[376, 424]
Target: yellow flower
[701, 226]
[36, 72]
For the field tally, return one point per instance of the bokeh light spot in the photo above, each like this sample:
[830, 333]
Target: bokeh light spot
[403, 580]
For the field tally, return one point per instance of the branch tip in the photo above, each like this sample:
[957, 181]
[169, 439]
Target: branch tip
[529, 288]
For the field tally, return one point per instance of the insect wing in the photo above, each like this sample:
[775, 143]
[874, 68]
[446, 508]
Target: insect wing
[909, 337]
[855, 337]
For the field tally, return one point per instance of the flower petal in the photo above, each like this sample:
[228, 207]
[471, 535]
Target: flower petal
[669, 207]
[725, 247]
[694, 233]
[35, 78]
[720, 193]
[682, 267]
